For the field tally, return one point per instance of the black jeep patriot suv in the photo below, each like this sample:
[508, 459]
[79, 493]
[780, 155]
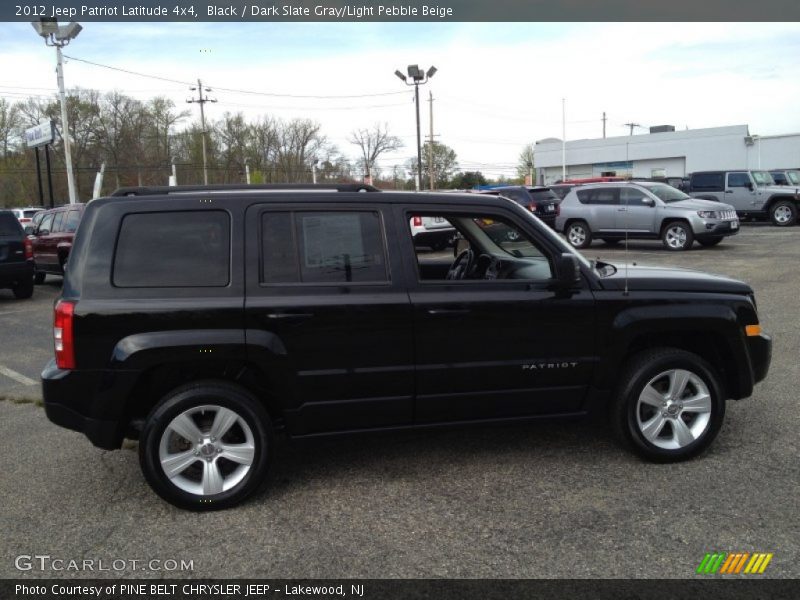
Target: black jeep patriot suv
[200, 320]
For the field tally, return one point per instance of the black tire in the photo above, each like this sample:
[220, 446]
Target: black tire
[578, 234]
[675, 241]
[709, 242]
[204, 393]
[23, 290]
[611, 241]
[38, 276]
[438, 246]
[783, 213]
[626, 412]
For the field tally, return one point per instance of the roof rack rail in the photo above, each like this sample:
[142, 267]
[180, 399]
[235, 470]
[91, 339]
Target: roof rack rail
[161, 190]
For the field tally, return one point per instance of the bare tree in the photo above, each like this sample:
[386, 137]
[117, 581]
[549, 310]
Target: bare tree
[373, 143]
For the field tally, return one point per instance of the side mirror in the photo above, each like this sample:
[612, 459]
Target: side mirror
[750, 186]
[460, 245]
[29, 230]
[568, 270]
[648, 201]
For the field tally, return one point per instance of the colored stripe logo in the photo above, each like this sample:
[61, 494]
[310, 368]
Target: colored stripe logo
[734, 563]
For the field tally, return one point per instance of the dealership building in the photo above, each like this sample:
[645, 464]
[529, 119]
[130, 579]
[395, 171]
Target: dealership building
[665, 152]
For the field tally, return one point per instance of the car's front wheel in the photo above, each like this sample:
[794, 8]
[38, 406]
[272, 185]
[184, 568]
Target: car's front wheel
[669, 405]
[206, 446]
[677, 235]
[579, 235]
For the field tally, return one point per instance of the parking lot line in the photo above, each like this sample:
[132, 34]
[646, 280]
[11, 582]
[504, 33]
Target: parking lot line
[19, 377]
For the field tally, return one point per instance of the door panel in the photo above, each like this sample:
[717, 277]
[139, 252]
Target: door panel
[738, 194]
[632, 215]
[343, 351]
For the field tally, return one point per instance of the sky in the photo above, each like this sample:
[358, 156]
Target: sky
[498, 86]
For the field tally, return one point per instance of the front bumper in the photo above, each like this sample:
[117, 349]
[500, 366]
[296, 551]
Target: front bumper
[715, 229]
[760, 349]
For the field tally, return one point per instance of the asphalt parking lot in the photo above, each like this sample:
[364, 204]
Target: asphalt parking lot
[543, 500]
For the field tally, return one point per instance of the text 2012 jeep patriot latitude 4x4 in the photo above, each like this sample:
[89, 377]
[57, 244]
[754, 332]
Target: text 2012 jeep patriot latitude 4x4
[199, 320]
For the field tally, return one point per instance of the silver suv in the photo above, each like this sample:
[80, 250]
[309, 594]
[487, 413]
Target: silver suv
[643, 210]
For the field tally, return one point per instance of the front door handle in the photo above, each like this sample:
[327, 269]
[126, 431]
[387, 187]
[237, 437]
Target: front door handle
[728, 191]
[290, 316]
[448, 311]
[622, 209]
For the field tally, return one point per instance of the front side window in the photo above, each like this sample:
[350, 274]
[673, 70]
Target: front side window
[667, 193]
[487, 248]
[739, 180]
[632, 196]
[322, 247]
[173, 249]
[47, 221]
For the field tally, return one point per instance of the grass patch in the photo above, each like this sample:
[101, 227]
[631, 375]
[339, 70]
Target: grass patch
[22, 400]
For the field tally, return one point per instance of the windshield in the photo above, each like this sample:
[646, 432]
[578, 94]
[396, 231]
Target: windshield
[763, 178]
[794, 177]
[667, 193]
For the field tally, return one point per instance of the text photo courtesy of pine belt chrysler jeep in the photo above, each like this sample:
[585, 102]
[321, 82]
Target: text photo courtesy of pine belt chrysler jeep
[643, 210]
[201, 320]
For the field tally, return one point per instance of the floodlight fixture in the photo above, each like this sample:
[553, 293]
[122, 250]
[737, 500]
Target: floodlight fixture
[415, 73]
[46, 26]
[69, 32]
[400, 75]
[431, 72]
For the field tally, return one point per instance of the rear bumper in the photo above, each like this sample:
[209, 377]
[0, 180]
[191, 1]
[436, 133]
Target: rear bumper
[13, 273]
[91, 402]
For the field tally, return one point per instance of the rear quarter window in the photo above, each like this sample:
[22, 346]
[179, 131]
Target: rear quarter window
[173, 249]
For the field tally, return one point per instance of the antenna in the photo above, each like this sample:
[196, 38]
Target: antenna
[627, 254]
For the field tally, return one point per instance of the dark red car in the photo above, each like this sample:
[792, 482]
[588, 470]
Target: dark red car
[52, 239]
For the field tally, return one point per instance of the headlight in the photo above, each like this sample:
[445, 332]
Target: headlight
[707, 214]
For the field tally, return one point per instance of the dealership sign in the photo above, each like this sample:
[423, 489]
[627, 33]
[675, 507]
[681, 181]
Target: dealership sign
[43, 133]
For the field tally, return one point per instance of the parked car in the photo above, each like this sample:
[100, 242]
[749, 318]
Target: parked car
[16, 256]
[544, 205]
[789, 177]
[434, 232]
[52, 239]
[562, 189]
[200, 327]
[643, 210]
[25, 215]
[753, 194]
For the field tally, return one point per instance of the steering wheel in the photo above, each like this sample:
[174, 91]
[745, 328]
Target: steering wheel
[461, 265]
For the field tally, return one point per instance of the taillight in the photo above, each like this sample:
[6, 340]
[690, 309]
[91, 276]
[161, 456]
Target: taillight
[532, 207]
[62, 334]
[417, 221]
[24, 220]
[28, 249]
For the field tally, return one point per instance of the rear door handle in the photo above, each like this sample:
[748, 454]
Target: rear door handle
[448, 311]
[290, 316]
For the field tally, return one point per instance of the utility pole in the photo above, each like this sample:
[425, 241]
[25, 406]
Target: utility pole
[632, 125]
[201, 100]
[430, 147]
[604, 124]
[563, 139]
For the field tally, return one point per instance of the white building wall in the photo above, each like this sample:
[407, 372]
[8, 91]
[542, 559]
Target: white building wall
[678, 152]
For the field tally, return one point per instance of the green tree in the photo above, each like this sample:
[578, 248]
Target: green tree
[525, 162]
[467, 180]
[445, 165]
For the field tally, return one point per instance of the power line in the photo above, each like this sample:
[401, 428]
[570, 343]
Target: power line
[238, 91]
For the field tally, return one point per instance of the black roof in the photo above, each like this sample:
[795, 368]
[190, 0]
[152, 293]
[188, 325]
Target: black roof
[165, 190]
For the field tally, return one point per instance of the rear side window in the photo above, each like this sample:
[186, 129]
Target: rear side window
[9, 225]
[602, 196]
[173, 249]
[73, 218]
[322, 247]
[709, 182]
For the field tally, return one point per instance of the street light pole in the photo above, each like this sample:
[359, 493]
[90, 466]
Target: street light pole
[418, 77]
[60, 36]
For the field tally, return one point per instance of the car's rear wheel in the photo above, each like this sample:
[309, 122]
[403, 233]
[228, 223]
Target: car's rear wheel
[579, 235]
[23, 289]
[206, 446]
[669, 406]
[708, 242]
[783, 213]
[677, 235]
